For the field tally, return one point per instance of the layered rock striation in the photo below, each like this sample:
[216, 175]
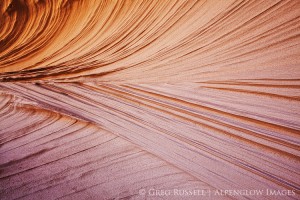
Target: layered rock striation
[146, 99]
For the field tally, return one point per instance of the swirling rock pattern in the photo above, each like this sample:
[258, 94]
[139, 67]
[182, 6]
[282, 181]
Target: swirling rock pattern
[110, 99]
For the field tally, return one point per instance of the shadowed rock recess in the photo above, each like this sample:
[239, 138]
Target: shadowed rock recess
[149, 99]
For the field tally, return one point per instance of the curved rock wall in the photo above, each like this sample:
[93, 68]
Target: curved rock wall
[105, 99]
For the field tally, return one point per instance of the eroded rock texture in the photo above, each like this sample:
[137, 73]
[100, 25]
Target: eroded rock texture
[112, 99]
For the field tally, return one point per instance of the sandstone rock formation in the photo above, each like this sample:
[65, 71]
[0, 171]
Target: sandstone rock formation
[123, 99]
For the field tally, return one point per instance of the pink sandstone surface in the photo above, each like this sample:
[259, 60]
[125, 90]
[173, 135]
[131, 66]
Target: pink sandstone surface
[141, 99]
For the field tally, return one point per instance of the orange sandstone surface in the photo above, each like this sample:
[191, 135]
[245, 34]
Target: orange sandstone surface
[141, 99]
